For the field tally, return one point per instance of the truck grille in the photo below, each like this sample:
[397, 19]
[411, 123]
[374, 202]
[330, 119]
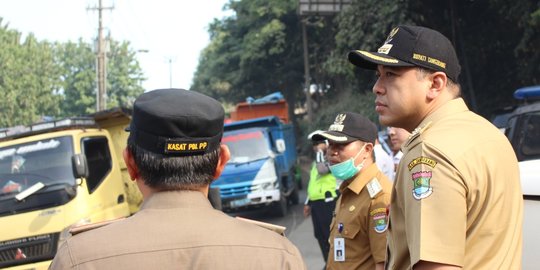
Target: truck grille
[28, 249]
[237, 191]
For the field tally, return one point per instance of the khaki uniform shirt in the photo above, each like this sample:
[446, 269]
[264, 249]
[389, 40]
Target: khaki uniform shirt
[457, 197]
[178, 230]
[362, 209]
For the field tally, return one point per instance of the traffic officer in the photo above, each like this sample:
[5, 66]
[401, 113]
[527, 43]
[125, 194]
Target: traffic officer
[457, 200]
[358, 229]
[173, 154]
[321, 195]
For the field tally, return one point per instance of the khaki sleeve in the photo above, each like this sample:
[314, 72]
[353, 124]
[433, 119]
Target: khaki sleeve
[378, 224]
[435, 208]
[62, 259]
[297, 261]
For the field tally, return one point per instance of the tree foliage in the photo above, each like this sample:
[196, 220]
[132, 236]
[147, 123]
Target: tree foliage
[40, 78]
[253, 53]
[496, 41]
[28, 78]
[259, 49]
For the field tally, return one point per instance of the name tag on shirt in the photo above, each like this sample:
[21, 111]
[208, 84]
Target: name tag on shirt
[339, 249]
[374, 187]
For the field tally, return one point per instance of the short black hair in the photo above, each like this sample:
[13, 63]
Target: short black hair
[163, 172]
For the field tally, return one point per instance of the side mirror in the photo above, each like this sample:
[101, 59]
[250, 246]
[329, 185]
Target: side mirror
[79, 165]
[280, 145]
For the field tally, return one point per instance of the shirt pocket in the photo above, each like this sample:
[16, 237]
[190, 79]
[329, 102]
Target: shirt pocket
[350, 230]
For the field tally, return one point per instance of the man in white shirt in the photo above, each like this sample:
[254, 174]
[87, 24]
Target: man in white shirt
[384, 161]
[398, 136]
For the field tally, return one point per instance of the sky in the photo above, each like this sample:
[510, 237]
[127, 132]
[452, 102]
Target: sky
[167, 34]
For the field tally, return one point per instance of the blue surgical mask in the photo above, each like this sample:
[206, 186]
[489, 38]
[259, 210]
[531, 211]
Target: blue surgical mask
[346, 169]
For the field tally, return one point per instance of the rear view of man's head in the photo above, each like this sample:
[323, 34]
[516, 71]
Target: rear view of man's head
[174, 139]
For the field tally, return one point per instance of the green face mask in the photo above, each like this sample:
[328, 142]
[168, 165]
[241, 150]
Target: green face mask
[346, 169]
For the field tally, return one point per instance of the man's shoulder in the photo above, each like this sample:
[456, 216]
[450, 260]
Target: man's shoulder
[260, 233]
[454, 134]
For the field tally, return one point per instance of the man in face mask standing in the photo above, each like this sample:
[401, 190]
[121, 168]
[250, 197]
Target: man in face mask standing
[358, 228]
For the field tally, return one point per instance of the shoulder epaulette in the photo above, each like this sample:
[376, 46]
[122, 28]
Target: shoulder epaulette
[276, 228]
[91, 226]
[417, 132]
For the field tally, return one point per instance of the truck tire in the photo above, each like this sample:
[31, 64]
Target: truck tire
[294, 197]
[280, 207]
[293, 194]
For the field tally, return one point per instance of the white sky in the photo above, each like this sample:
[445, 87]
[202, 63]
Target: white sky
[173, 31]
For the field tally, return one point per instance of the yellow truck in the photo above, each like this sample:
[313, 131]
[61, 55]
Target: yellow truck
[57, 175]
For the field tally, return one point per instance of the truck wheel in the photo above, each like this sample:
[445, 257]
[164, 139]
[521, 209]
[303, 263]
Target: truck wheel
[294, 198]
[280, 208]
[298, 178]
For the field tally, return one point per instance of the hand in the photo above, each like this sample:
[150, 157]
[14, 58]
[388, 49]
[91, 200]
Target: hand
[307, 211]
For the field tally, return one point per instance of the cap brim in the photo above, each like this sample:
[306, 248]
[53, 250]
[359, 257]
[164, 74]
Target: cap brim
[332, 136]
[370, 60]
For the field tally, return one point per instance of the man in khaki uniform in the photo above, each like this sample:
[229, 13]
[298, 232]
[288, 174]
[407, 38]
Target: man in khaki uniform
[457, 200]
[173, 154]
[358, 229]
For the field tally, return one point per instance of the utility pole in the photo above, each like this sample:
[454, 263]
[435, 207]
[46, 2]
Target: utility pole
[101, 56]
[170, 73]
[170, 60]
[307, 76]
[308, 10]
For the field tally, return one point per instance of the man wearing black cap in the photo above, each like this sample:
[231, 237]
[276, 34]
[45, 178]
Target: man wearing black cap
[358, 229]
[457, 200]
[173, 154]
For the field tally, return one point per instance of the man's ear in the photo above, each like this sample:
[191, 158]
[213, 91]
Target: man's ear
[224, 156]
[438, 84]
[368, 148]
[132, 168]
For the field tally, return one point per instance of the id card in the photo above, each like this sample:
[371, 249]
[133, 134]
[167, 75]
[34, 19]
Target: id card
[339, 249]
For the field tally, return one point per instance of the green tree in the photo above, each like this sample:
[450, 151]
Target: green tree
[28, 79]
[496, 42]
[253, 53]
[39, 78]
[77, 61]
[124, 76]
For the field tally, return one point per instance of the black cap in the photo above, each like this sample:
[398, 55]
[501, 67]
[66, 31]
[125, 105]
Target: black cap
[176, 122]
[318, 139]
[348, 127]
[408, 46]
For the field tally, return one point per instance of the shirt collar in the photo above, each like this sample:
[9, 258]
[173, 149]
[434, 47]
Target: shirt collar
[177, 199]
[359, 182]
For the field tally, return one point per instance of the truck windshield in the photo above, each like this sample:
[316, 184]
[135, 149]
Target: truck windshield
[246, 147]
[47, 161]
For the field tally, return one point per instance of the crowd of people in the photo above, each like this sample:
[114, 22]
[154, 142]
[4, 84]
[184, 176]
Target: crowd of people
[450, 198]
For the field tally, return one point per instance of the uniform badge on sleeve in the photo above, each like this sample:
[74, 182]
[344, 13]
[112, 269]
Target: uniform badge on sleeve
[380, 219]
[422, 160]
[421, 181]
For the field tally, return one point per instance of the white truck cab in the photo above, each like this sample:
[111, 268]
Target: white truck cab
[523, 131]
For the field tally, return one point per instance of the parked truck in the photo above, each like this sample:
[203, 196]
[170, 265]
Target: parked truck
[57, 175]
[261, 171]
